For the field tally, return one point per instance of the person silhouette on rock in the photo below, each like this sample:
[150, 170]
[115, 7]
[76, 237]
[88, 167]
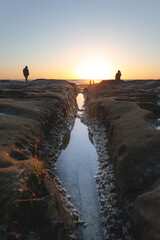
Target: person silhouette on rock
[118, 75]
[26, 73]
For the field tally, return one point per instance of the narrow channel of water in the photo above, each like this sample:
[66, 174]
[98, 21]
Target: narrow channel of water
[76, 167]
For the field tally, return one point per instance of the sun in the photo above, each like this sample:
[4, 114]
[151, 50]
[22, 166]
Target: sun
[94, 69]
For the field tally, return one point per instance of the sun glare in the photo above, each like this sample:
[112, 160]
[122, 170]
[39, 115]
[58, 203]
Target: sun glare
[94, 69]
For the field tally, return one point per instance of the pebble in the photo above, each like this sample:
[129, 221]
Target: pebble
[105, 176]
[116, 228]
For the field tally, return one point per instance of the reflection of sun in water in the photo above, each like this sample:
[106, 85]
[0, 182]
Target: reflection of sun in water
[80, 100]
[94, 69]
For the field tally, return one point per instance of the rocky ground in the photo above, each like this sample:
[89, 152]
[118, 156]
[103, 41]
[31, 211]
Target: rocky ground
[130, 112]
[114, 221]
[30, 204]
[35, 124]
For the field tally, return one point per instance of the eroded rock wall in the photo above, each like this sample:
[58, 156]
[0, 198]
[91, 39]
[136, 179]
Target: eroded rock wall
[129, 111]
[31, 206]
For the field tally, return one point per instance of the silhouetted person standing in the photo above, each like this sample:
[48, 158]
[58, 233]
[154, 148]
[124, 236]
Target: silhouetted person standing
[26, 73]
[118, 75]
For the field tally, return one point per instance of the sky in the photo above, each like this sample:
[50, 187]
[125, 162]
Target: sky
[73, 39]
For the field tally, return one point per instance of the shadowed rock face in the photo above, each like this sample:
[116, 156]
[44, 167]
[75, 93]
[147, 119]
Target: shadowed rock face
[130, 110]
[25, 114]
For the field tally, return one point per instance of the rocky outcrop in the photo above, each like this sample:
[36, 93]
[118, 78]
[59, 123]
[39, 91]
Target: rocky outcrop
[129, 110]
[31, 205]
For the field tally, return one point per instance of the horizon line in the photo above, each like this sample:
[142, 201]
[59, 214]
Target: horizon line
[75, 79]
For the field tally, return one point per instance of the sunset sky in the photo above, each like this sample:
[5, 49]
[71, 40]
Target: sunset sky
[72, 39]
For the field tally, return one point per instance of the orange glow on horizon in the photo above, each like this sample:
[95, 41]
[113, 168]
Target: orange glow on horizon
[92, 69]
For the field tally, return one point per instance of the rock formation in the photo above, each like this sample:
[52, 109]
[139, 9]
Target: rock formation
[30, 204]
[130, 112]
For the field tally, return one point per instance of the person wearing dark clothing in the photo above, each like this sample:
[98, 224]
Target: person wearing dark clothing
[26, 73]
[118, 75]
